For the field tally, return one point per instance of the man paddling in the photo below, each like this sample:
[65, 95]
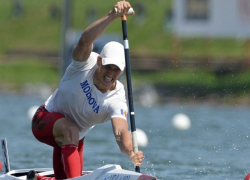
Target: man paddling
[89, 93]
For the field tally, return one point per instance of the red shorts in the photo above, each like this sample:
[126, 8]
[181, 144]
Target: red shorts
[42, 125]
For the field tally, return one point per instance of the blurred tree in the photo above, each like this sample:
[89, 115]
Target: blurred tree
[92, 15]
[140, 13]
[55, 12]
[17, 9]
[168, 20]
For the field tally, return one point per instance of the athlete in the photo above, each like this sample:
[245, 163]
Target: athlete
[89, 93]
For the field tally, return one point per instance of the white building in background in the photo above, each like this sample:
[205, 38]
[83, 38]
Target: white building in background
[212, 18]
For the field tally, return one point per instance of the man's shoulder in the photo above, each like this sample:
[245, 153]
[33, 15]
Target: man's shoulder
[119, 92]
[91, 61]
[120, 88]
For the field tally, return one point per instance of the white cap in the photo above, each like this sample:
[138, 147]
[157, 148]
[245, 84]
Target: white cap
[113, 53]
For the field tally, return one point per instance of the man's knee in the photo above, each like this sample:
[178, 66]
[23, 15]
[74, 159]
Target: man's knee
[65, 132]
[71, 134]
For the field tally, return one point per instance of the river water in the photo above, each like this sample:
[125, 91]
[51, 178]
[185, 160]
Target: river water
[216, 146]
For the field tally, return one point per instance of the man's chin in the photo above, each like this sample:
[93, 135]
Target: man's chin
[108, 83]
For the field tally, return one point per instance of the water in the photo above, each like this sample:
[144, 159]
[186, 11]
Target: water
[215, 147]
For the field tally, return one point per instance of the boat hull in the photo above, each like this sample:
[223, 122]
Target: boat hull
[107, 172]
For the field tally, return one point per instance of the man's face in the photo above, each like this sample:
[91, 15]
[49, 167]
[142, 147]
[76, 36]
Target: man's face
[106, 76]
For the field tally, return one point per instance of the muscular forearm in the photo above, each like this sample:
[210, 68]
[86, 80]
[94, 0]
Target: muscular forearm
[96, 29]
[125, 143]
[84, 46]
[124, 140]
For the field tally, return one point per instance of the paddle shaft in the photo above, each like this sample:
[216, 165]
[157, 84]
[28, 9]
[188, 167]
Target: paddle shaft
[129, 86]
[6, 162]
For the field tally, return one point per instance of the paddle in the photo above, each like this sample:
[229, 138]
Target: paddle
[129, 84]
[6, 163]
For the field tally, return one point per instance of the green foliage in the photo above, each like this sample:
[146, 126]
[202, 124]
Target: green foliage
[201, 83]
[32, 30]
[175, 77]
[15, 74]
[36, 30]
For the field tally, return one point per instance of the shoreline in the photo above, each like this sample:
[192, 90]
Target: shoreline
[145, 96]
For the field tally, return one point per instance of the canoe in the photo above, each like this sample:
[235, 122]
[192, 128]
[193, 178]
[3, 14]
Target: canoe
[106, 172]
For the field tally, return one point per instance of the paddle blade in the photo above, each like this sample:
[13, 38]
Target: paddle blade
[137, 169]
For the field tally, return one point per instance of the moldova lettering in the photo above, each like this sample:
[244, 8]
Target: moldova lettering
[87, 91]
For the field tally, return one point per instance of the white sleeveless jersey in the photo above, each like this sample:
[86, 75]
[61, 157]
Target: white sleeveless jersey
[78, 99]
